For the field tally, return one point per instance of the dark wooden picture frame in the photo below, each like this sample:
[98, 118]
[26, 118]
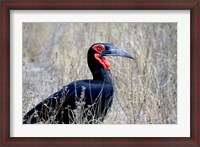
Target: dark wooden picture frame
[192, 5]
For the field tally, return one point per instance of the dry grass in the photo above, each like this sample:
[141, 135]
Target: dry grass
[54, 54]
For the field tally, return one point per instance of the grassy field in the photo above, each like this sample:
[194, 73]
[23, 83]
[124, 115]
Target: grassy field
[54, 54]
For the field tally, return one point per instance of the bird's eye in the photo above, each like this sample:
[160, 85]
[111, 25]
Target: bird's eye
[99, 48]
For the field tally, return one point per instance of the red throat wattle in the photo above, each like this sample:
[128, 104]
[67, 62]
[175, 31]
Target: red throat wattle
[103, 61]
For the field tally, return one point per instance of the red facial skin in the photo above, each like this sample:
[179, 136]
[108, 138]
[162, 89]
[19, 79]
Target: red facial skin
[99, 48]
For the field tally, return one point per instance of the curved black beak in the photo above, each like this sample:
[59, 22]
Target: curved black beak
[112, 50]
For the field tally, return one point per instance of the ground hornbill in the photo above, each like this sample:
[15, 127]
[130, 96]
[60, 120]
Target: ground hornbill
[83, 101]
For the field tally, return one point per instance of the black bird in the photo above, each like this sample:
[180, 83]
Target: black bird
[82, 101]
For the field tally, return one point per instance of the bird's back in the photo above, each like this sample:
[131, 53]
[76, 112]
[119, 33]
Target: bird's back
[83, 101]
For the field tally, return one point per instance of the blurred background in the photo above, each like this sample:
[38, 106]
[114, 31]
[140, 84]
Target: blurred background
[55, 54]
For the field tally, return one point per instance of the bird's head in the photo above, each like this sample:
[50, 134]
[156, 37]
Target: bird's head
[107, 49]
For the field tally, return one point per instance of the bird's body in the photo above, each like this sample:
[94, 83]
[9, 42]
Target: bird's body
[82, 101]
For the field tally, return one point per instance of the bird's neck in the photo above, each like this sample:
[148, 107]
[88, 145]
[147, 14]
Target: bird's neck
[102, 74]
[98, 71]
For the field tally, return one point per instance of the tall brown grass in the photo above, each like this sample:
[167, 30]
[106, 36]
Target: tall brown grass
[54, 54]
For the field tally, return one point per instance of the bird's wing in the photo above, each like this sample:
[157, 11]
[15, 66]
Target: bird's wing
[89, 92]
[52, 104]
